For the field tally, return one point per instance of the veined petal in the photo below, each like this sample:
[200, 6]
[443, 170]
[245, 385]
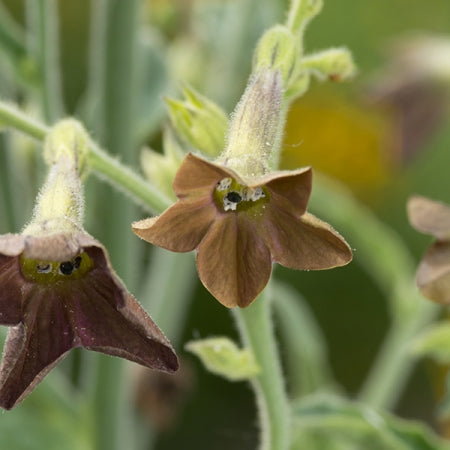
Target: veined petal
[234, 264]
[107, 319]
[35, 346]
[10, 300]
[181, 227]
[433, 274]
[429, 216]
[303, 244]
[290, 190]
[197, 176]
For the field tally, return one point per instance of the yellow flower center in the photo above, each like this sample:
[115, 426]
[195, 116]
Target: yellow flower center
[50, 272]
[229, 195]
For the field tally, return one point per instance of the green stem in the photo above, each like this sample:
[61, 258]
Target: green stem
[395, 361]
[302, 340]
[127, 180]
[12, 117]
[385, 257]
[255, 326]
[105, 166]
[45, 46]
[12, 38]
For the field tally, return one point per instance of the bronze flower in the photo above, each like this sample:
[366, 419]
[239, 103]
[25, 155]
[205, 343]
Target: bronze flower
[241, 227]
[59, 292]
[433, 275]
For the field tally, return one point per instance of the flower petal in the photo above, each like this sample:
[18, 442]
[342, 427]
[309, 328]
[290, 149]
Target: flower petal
[429, 216]
[109, 320]
[290, 190]
[433, 274]
[10, 282]
[34, 347]
[303, 244]
[181, 227]
[233, 263]
[196, 175]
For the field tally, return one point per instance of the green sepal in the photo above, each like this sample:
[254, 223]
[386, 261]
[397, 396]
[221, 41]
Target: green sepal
[198, 121]
[335, 64]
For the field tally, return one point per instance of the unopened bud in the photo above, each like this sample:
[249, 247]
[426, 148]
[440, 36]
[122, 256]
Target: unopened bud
[199, 121]
[335, 64]
[301, 12]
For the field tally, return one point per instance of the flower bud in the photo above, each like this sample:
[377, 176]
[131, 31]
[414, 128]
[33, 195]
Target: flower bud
[335, 64]
[278, 49]
[199, 121]
[301, 12]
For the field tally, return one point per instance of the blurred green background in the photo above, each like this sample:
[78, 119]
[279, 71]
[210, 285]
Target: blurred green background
[385, 135]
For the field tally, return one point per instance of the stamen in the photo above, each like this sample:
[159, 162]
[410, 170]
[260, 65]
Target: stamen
[44, 268]
[224, 184]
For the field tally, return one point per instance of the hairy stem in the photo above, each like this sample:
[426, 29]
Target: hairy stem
[256, 330]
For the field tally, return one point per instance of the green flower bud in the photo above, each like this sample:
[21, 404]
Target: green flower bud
[199, 121]
[67, 138]
[223, 357]
[335, 64]
[159, 168]
[278, 49]
[301, 12]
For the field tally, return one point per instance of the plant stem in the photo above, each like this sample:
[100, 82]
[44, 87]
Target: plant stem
[45, 45]
[105, 166]
[256, 330]
[303, 341]
[395, 360]
[12, 117]
[385, 257]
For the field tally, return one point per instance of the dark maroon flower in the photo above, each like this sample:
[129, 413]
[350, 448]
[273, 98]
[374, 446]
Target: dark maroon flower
[59, 292]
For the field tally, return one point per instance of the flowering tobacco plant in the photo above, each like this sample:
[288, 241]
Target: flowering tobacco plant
[239, 214]
[59, 290]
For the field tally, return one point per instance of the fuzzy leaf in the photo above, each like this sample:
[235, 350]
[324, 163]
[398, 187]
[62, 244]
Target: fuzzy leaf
[223, 357]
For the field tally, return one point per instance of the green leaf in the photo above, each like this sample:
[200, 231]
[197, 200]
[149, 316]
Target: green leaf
[435, 343]
[223, 357]
[329, 422]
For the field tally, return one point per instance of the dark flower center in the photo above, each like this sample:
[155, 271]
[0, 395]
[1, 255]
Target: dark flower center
[233, 197]
[67, 267]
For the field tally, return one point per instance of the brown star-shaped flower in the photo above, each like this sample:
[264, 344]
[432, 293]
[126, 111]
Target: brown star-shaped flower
[433, 275]
[240, 228]
[58, 292]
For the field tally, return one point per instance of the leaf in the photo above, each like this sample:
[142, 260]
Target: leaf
[329, 422]
[223, 357]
